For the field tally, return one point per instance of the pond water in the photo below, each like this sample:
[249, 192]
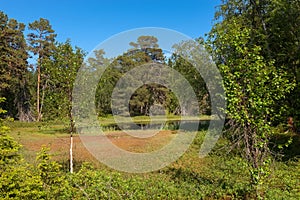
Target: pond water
[185, 125]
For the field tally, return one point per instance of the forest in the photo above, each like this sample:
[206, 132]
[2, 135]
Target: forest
[255, 45]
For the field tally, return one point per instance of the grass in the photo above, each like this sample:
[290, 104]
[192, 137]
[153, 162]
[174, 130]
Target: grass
[220, 175]
[107, 120]
[33, 136]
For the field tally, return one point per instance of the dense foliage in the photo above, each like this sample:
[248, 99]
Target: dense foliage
[219, 176]
[255, 45]
[260, 88]
[41, 89]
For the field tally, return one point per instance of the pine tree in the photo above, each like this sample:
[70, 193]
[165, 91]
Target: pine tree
[14, 68]
[41, 41]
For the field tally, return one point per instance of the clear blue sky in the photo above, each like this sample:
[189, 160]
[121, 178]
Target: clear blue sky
[89, 22]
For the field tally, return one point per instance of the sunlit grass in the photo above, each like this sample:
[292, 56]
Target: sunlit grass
[147, 119]
[220, 175]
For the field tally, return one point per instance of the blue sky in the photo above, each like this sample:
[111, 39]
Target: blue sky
[89, 22]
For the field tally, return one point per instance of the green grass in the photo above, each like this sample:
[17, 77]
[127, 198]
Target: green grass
[146, 119]
[220, 175]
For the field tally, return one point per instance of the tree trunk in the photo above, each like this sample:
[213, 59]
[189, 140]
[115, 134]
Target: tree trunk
[38, 93]
[71, 153]
[72, 129]
[43, 97]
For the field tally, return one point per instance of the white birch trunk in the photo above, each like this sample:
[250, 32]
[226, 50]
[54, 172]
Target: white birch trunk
[71, 154]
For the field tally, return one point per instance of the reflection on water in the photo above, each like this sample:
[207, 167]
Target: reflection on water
[185, 125]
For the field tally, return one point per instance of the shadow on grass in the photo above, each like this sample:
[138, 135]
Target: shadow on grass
[212, 187]
[77, 165]
[286, 150]
[181, 174]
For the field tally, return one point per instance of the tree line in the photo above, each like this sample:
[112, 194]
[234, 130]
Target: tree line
[38, 74]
